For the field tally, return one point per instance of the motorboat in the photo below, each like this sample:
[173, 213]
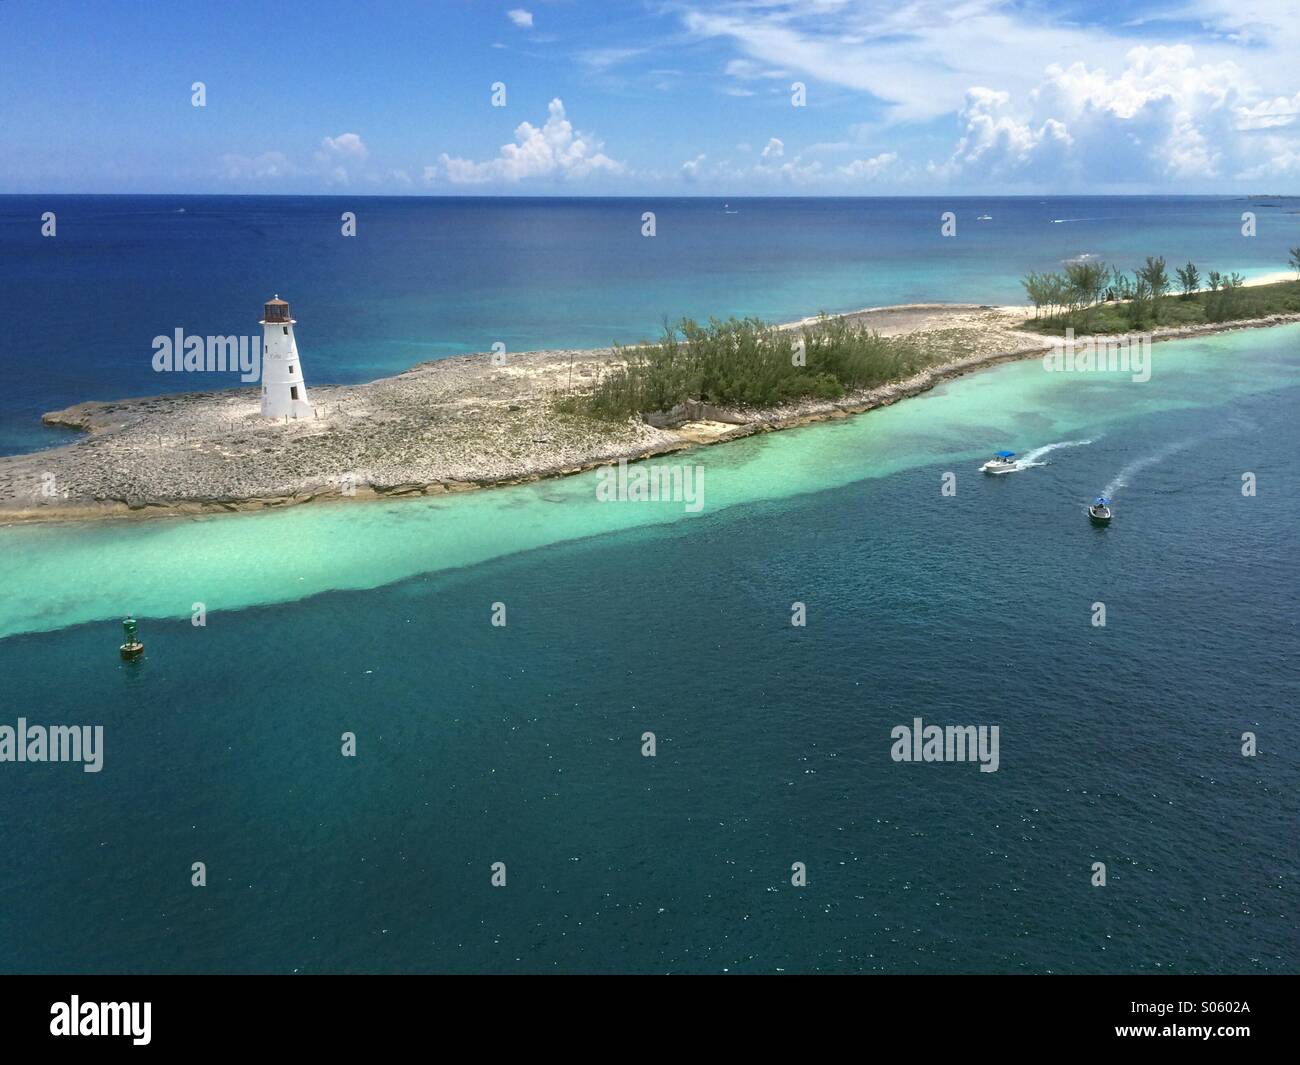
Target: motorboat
[1002, 462]
[984, 218]
[1099, 511]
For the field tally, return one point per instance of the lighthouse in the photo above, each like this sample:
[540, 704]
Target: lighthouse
[284, 393]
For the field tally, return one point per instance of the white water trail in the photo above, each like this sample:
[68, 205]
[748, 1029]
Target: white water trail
[1125, 476]
[1030, 459]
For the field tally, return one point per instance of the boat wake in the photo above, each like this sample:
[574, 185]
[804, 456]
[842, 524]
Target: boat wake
[1031, 458]
[1125, 476]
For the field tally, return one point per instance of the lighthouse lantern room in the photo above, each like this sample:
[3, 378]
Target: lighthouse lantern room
[284, 392]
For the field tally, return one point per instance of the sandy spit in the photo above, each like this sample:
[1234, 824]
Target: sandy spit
[446, 426]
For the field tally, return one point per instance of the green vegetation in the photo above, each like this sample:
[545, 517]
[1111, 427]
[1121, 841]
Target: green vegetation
[1089, 297]
[747, 363]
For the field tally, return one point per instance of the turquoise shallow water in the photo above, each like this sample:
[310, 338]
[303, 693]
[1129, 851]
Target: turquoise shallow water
[64, 574]
[521, 744]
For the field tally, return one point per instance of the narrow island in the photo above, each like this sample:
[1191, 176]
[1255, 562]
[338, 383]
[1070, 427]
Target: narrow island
[476, 421]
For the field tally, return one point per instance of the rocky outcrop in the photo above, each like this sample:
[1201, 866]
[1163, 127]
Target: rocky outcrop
[693, 410]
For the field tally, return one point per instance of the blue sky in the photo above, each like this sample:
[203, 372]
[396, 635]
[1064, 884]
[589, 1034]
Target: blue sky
[631, 97]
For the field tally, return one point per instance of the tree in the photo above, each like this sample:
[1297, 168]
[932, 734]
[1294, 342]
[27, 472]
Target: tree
[1295, 260]
[1189, 278]
[1054, 288]
[1121, 288]
[1033, 285]
[1224, 303]
[1084, 283]
[1216, 279]
[1157, 279]
[1139, 300]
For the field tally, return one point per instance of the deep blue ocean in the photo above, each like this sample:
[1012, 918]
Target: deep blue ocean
[521, 744]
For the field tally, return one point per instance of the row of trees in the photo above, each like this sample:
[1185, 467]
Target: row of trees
[1072, 298]
[747, 363]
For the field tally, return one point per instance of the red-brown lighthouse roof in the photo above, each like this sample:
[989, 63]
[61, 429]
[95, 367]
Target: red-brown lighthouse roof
[276, 310]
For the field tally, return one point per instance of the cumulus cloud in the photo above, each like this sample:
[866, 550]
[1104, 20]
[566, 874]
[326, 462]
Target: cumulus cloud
[345, 146]
[337, 161]
[772, 170]
[1162, 117]
[555, 150]
[869, 169]
[339, 157]
[994, 142]
[1165, 113]
[691, 168]
[521, 18]
[1151, 73]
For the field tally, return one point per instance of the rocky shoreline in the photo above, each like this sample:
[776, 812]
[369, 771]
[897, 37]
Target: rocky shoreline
[452, 425]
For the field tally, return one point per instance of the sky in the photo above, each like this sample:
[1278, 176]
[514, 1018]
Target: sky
[650, 97]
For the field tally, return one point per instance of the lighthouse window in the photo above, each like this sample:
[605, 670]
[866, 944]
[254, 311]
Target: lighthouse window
[293, 391]
[286, 329]
[291, 367]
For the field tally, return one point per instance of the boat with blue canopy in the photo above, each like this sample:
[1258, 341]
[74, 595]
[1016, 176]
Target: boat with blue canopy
[1001, 462]
[1099, 511]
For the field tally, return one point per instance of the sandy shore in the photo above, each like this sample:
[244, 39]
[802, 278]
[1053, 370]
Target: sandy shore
[451, 425]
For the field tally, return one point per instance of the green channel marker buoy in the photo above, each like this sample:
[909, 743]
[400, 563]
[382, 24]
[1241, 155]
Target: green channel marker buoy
[133, 648]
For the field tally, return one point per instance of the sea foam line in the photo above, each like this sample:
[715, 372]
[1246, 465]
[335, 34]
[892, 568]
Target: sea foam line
[1031, 457]
[1122, 479]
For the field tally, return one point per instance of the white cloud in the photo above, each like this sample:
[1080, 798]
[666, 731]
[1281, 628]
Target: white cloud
[774, 150]
[338, 161]
[601, 59]
[267, 166]
[1162, 117]
[748, 69]
[345, 146]
[1269, 114]
[770, 171]
[554, 150]
[1164, 72]
[996, 143]
[1278, 159]
[691, 168]
[339, 157]
[869, 169]
[521, 18]
[918, 59]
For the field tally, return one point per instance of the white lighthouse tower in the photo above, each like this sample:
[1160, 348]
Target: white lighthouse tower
[284, 393]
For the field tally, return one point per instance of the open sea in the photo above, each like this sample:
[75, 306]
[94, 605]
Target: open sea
[522, 744]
